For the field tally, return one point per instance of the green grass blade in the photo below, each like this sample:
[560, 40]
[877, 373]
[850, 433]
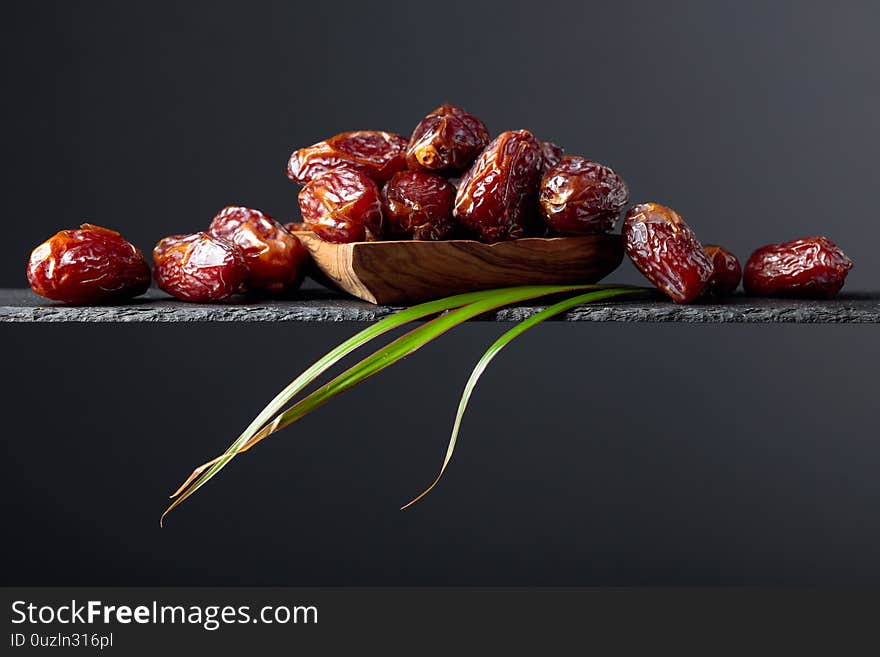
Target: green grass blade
[332, 357]
[481, 302]
[493, 351]
[400, 348]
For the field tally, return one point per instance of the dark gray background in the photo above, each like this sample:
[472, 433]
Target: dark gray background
[593, 454]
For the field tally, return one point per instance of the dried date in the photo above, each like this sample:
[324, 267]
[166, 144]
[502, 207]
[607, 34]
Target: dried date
[664, 248]
[447, 140]
[551, 154]
[726, 271]
[297, 227]
[199, 267]
[812, 267]
[86, 265]
[378, 155]
[342, 205]
[276, 259]
[580, 197]
[496, 198]
[418, 204]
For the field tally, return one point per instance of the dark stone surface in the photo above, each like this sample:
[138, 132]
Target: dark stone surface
[321, 305]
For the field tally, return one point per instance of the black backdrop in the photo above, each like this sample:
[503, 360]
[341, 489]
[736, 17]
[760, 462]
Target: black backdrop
[592, 454]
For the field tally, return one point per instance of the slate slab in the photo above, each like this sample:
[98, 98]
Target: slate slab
[316, 304]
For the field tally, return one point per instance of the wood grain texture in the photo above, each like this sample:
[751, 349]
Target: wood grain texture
[400, 272]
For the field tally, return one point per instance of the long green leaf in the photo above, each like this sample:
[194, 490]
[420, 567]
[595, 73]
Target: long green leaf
[493, 351]
[481, 302]
[395, 351]
[332, 357]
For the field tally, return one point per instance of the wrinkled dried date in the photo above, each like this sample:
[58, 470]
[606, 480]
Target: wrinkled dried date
[551, 154]
[726, 272]
[666, 251]
[199, 267]
[378, 155]
[276, 259]
[297, 227]
[418, 204]
[580, 197]
[90, 264]
[447, 140]
[496, 197]
[808, 267]
[342, 205]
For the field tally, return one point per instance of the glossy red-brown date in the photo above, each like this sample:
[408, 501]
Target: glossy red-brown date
[580, 197]
[726, 271]
[199, 267]
[551, 154]
[297, 227]
[447, 140]
[378, 155]
[812, 267]
[89, 264]
[496, 198]
[276, 259]
[342, 205]
[418, 204]
[664, 248]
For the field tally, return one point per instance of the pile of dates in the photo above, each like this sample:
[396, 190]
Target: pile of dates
[243, 251]
[448, 180]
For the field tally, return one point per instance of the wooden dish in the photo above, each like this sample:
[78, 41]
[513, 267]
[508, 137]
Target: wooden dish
[400, 272]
